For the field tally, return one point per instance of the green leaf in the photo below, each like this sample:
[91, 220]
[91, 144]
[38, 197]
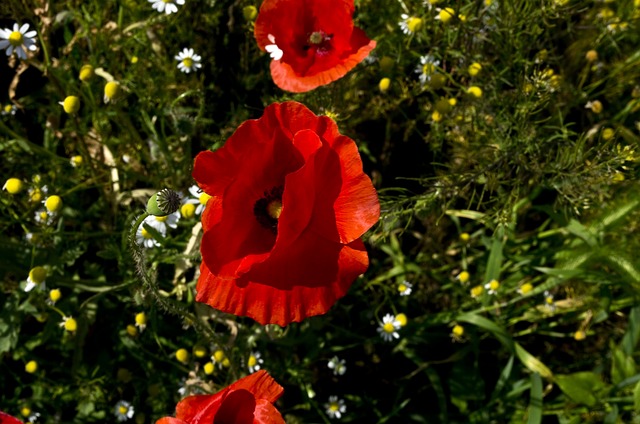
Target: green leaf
[504, 376]
[482, 322]
[581, 232]
[535, 400]
[636, 397]
[532, 363]
[622, 366]
[581, 387]
[631, 337]
[495, 260]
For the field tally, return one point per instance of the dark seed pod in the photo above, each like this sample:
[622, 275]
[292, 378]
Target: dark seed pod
[163, 203]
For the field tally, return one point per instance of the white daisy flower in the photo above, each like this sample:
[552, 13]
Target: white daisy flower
[163, 223]
[335, 407]
[273, 49]
[428, 66]
[18, 40]
[404, 288]
[199, 198]
[166, 6]
[410, 24]
[338, 365]
[32, 418]
[492, 286]
[189, 61]
[43, 217]
[36, 278]
[123, 411]
[254, 362]
[389, 327]
[9, 109]
[144, 237]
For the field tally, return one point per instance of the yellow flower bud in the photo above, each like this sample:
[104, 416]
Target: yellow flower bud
[218, 355]
[414, 24]
[579, 335]
[436, 116]
[111, 91]
[182, 355]
[199, 351]
[402, 318]
[457, 330]
[591, 56]
[31, 367]
[71, 104]
[465, 237]
[474, 69]
[13, 186]
[446, 14]
[86, 72]
[188, 210]
[53, 203]
[208, 368]
[70, 324]
[608, 133]
[464, 277]
[475, 91]
[132, 330]
[384, 84]
[55, 295]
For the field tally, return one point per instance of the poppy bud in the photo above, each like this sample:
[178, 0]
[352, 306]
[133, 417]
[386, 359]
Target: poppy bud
[163, 203]
[249, 13]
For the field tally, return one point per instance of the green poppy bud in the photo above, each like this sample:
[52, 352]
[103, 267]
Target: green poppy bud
[163, 203]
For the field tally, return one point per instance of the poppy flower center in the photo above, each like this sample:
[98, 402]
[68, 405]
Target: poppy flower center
[267, 209]
[319, 40]
[15, 38]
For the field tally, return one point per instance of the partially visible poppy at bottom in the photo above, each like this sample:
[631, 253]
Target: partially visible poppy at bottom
[282, 230]
[312, 42]
[8, 419]
[247, 401]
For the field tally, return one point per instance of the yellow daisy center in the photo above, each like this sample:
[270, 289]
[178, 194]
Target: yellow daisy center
[204, 198]
[208, 368]
[274, 208]
[146, 234]
[188, 210]
[70, 325]
[7, 108]
[428, 68]
[187, 62]
[388, 327]
[162, 218]
[334, 407]
[123, 410]
[402, 287]
[252, 361]
[15, 38]
[218, 355]
[458, 330]
[494, 285]
[414, 24]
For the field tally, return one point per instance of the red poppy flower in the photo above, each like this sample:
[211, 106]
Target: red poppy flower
[282, 231]
[247, 401]
[8, 419]
[312, 42]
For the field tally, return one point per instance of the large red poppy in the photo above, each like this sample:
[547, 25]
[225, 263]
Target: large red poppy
[312, 42]
[8, 419]
[247, 401]
[282, 231]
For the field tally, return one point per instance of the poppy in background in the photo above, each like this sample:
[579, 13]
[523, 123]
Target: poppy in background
[282, 230]
[8, 419]
[312, 42]
[247, 401]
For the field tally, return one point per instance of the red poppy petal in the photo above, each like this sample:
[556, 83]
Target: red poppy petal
[306, 280]
[212, 213]
[237, 241]
[298, 198]
[266, 413]
[167, 420]
[287, 79]
[8, 419]
[237, 408]
[356, 209]
[261, 385]
[199, 409]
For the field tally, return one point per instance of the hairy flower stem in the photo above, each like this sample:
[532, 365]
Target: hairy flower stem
[150, 286]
